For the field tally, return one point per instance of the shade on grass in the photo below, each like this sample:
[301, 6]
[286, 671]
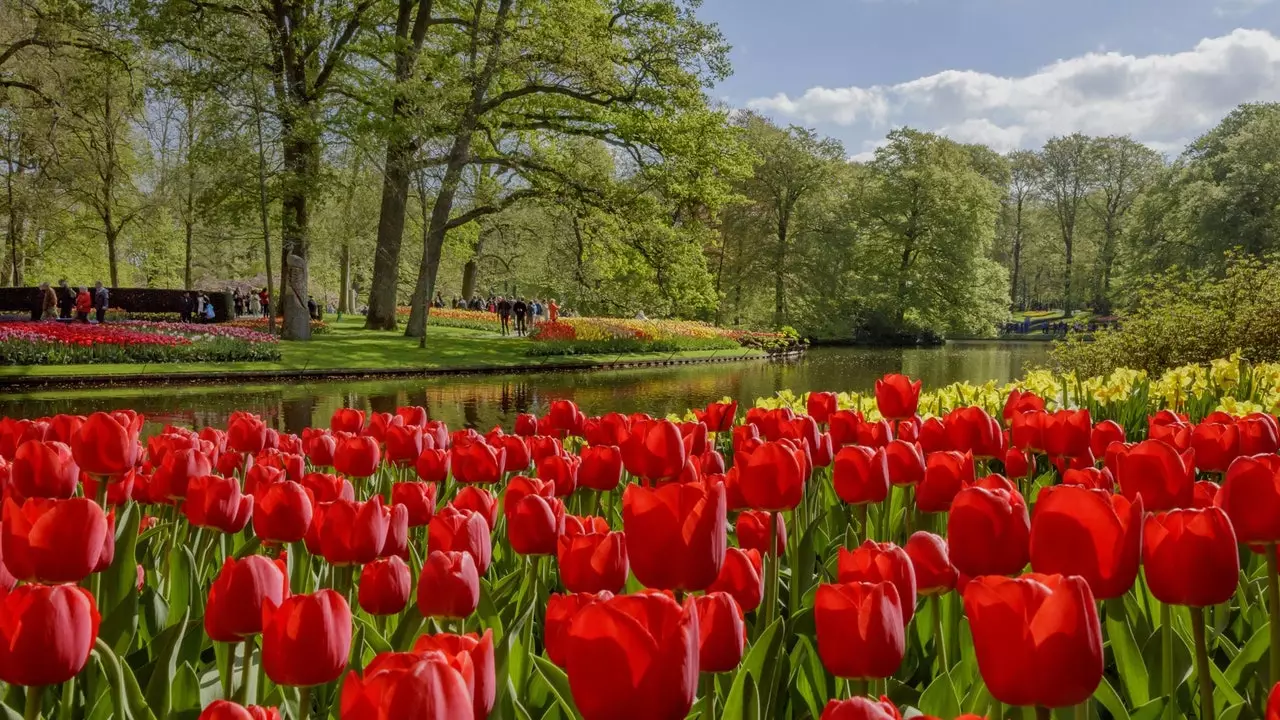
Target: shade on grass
[349, 347]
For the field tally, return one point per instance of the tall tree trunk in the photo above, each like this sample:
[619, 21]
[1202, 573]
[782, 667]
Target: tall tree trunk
[263, 205]
[112, 233]
[189, 220]
[1017, 254]
[780, 272]
[386, 258]
[1067, 308]
[344, 271]
[469, 272]
[16, 224]
[301, 165]
[720, 279]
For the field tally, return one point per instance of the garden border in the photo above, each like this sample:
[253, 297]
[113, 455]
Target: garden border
[20, 382]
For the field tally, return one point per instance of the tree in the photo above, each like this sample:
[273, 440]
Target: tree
[1024, 180]
[1124, 168]
[791, 166]
[1068, 177]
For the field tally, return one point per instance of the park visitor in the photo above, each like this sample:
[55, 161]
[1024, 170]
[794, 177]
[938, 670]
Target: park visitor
[520, 308]
[553, 310]
[101, 299]
[66, 299]
[48, 302]
[264, 299]
[84, 304]
[504, 314]
[187, 307]
[208, 309]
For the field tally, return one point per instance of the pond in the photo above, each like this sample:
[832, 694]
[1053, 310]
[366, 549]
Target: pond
[482, 401]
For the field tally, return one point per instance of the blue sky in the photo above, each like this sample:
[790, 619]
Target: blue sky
[1007, 72]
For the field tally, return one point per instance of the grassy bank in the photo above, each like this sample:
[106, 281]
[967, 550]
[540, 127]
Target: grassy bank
[348, 348]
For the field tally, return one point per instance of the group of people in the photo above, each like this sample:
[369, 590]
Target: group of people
[250, 302]
[69, 303]
[527, 313]
[196, 308]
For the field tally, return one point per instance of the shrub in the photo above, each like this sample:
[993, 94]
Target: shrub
[1186, 318]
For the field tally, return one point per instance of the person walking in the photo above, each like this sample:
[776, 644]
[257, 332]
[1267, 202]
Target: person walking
[101, 300]
[535, 312]
[520, 308]
[264, 299]
[66, 299]
[187, 307]
[208, 309]
[48, 302]
[504, 314]
[84, 304]
[553, 310]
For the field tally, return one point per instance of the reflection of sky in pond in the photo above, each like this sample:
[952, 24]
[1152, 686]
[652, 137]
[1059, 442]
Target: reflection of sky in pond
[483, 401]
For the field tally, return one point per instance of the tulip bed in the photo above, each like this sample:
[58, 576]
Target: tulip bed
[57, 343]
[1002, 553]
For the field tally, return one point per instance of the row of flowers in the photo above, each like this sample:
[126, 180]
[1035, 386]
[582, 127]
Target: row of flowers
[56, 343]
[258, 323]
[823, 562]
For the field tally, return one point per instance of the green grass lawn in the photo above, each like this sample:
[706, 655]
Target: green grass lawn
[349, 347]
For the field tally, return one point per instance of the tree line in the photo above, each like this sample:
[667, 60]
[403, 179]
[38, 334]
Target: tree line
[378, 153]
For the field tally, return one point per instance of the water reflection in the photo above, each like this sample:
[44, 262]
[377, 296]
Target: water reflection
[482, 401]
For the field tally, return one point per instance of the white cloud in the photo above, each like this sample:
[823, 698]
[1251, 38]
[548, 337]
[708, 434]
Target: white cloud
[1160, 99]
[1238, 7]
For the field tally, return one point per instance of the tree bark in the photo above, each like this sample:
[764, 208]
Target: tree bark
[1016, 253]
[469, 272]
[301, 165]
[189, 219]
[263, 205]
[780, 271]
[16, 223]
[344, 261]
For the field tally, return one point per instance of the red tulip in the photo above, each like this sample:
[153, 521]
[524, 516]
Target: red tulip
[1016, 463]
[1103, 434]
[1159, 473]
[874, 562]
[860, 708]
[46, 634]
[1259, 434]
[349, 533]
[611, 429]
[593, 562]
[931, 563]
[905, 462]
[1215, 445]
[1170, 428]
[475, 462]
[754, 532]
[1026, 431]
[1037, 638]
[535, 524]
[971, 428]
[722, 634]
[319, 446]
[1251, 498]
[897, 397]
[773, 477]
[477, 500]
[326, 488]
[861, 475]
[565, 415]
[1205, 494]
[843, 426]
[43, 469]
[64, 427]
[466, 531]
[526, 425]
[1273, 703]
[820, 406]
[1092, 478]
[347, 420]
[449, 585]
[357, 456]
[238, 594]
[517, 456]
[694, 435]
[1020, 401]
[384, 586]
[676, 534]
[283, 513]
[544, 446]
[859, 629]
[411, 685]
[946, 473]
[478, 651]
[227, 710]
[1090, 533]
[404, 444]
[56, 541]
[246, 433]
[1190, 557]
[932, 436]
[215, 502]
[711, 462]
[1067, 433]
[418, 497]
[741, 576]
[306, 640]
[561, 610]
[561, 470]
[520, 486]
[654, 450]
[634, 657]
[107, 443]
[718, 417]
[988, 532]
[432, 465]
[601, 467]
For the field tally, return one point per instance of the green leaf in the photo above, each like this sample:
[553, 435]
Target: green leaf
[186, 690]
[939, 698]
[121, 579]
[1243, 664]
[167, 657]
[120, 624]
[1128, 656]
[1107, 697]
[558, 682]
[182, 565]
[811, 676]
[762, 653]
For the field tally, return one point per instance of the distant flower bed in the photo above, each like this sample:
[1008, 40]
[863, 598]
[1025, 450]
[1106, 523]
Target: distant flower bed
[259, 324]
[54, 343]
[466, 319]
[585, 335]
[118, 315]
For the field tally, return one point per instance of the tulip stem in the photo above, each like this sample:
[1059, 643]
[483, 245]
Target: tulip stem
[246, 666]
[1170, 689]
[1082, 711]
[939, 640]
[708, 696]
[862, 522]
[1043, 713]
[35, 694]
[1202, 663]
[1273, 605]
[304, 702]
[997, 709]
[771, 584]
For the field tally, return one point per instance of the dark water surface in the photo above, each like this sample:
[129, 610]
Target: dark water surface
[482, 401]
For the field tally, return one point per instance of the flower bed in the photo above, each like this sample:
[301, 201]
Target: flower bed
[1001, 552]
[259, 324]
[57, 343]
[465, 319]
[585, 335]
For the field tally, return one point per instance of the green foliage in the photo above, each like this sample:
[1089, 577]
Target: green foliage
[1185, 317]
